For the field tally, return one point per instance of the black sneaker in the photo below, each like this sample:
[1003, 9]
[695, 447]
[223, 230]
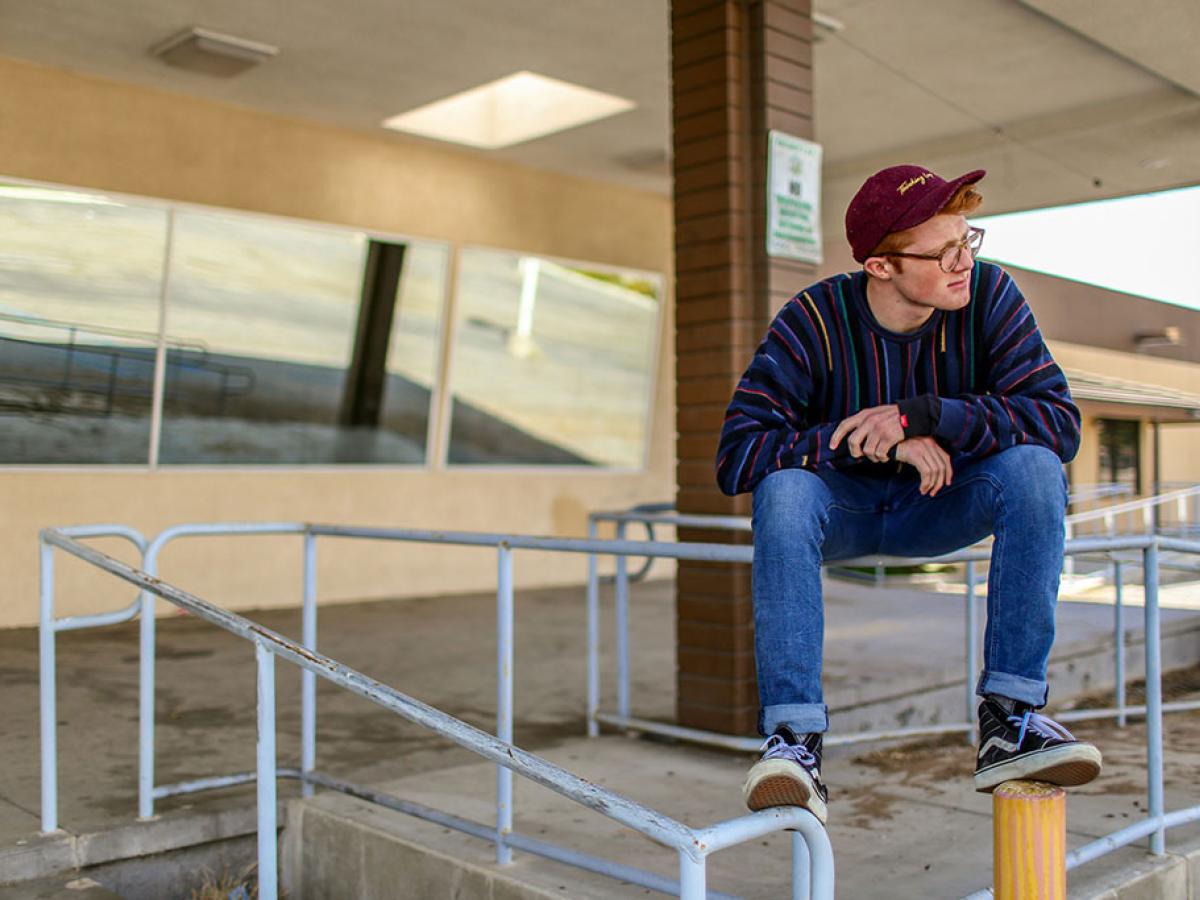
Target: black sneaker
[789, 774]
[1025, 745]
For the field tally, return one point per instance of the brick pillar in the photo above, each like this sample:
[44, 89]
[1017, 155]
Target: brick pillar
[739, 69]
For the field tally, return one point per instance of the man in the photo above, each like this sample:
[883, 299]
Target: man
[910, 408]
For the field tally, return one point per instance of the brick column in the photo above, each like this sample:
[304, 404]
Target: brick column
[739, 69]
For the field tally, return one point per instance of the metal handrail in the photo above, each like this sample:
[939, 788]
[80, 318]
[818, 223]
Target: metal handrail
[692, 870]
[813, 872]
[150, 338]
[623, 718]
[48, 627]
[1156, 821]
[115, 385]
[1129, 506]
[664, 514]
[1083, 493]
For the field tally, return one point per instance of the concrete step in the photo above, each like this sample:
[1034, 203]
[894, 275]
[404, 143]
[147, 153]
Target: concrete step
[62, 887]
[145, 845]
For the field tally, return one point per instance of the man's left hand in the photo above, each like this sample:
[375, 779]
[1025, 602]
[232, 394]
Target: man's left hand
[870, 432]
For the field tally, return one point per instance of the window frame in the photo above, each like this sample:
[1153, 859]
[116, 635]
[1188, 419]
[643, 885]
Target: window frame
[653, 352]
[437, 438]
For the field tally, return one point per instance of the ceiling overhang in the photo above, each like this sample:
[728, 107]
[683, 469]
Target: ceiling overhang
[1156, 400]
[1061, 100]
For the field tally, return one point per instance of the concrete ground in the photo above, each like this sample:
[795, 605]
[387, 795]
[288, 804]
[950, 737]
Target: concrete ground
[903, 823]
[896, 817]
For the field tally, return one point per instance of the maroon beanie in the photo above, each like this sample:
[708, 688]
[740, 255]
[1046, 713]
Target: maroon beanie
[894, 199]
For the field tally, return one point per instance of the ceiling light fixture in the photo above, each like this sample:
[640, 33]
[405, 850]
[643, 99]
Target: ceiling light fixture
[511, 110]
[211, 53]
[825, 25]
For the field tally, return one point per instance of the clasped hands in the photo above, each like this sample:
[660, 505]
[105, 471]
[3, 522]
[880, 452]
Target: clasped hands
[874, 432]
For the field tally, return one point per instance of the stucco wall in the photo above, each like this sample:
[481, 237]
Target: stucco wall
[1180, 440]
[66, 129]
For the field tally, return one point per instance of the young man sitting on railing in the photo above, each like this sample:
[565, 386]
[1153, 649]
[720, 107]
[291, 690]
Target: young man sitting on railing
[908, 409]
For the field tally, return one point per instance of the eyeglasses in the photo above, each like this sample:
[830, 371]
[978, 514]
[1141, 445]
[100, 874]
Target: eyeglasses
[950, 258]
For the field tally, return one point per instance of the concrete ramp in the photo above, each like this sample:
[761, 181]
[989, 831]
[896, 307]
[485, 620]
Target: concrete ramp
[339, 846]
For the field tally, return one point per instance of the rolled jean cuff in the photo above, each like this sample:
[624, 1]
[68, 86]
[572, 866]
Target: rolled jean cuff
[802, 718]
[1015, 687]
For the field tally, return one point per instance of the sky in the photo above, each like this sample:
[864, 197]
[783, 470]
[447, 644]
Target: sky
[1143, 245]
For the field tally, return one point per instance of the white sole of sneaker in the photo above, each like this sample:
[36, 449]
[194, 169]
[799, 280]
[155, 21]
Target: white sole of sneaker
[780, 782]
[1065, 766]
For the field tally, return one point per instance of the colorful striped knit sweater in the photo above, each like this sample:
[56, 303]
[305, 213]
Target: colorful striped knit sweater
[825, 357]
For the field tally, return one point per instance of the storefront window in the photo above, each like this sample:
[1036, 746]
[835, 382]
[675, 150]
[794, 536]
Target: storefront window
[80, 277]
[1120, 452]
[276, 308]
[552, 363]
[290, 343]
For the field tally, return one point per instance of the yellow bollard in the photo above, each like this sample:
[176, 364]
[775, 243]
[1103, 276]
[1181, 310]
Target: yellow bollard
[1029, 828]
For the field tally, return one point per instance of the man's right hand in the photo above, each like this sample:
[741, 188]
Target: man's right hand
[929, 459]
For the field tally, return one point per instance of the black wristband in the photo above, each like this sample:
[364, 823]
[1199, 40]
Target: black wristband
[919, 415]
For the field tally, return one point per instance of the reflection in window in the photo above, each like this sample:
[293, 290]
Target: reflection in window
[1120, 452]
[277, 309]
[80, 277]
[552, 364]
[412, 354]
[289, 343]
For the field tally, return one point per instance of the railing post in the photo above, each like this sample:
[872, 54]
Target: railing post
[308, 679]
[593, 637]
[267, 831]
[1119, 639]
[48, 688]
[823, 871]
[972, 652]
[1068, 561]
[692, 878]
[1154, 762]
[504, 700]
[801, 868]
[146, 628]
[1029, 834]
[622, 610]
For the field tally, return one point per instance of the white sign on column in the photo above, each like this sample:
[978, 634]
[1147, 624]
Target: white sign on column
[793, 198]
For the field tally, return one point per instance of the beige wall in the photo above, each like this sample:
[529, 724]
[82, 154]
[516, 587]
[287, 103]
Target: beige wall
[1181, 453]
[66, 129]
[86, 131]
[1180, 440]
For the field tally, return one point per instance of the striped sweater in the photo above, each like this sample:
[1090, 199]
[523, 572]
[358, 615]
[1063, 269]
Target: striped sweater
[825, 357]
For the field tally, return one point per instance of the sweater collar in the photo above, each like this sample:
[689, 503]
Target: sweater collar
[858, 294]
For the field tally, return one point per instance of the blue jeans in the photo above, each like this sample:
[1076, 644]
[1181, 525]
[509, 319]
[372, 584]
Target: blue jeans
[802, 518]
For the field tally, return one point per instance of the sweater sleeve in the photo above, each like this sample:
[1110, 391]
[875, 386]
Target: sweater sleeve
[1025, 400]
[770, 422]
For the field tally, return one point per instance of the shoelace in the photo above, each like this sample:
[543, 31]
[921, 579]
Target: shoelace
[776, 747]
[1040, 725]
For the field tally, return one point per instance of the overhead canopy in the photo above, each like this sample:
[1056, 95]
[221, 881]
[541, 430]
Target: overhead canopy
[1060, 100]
[1158, 402]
